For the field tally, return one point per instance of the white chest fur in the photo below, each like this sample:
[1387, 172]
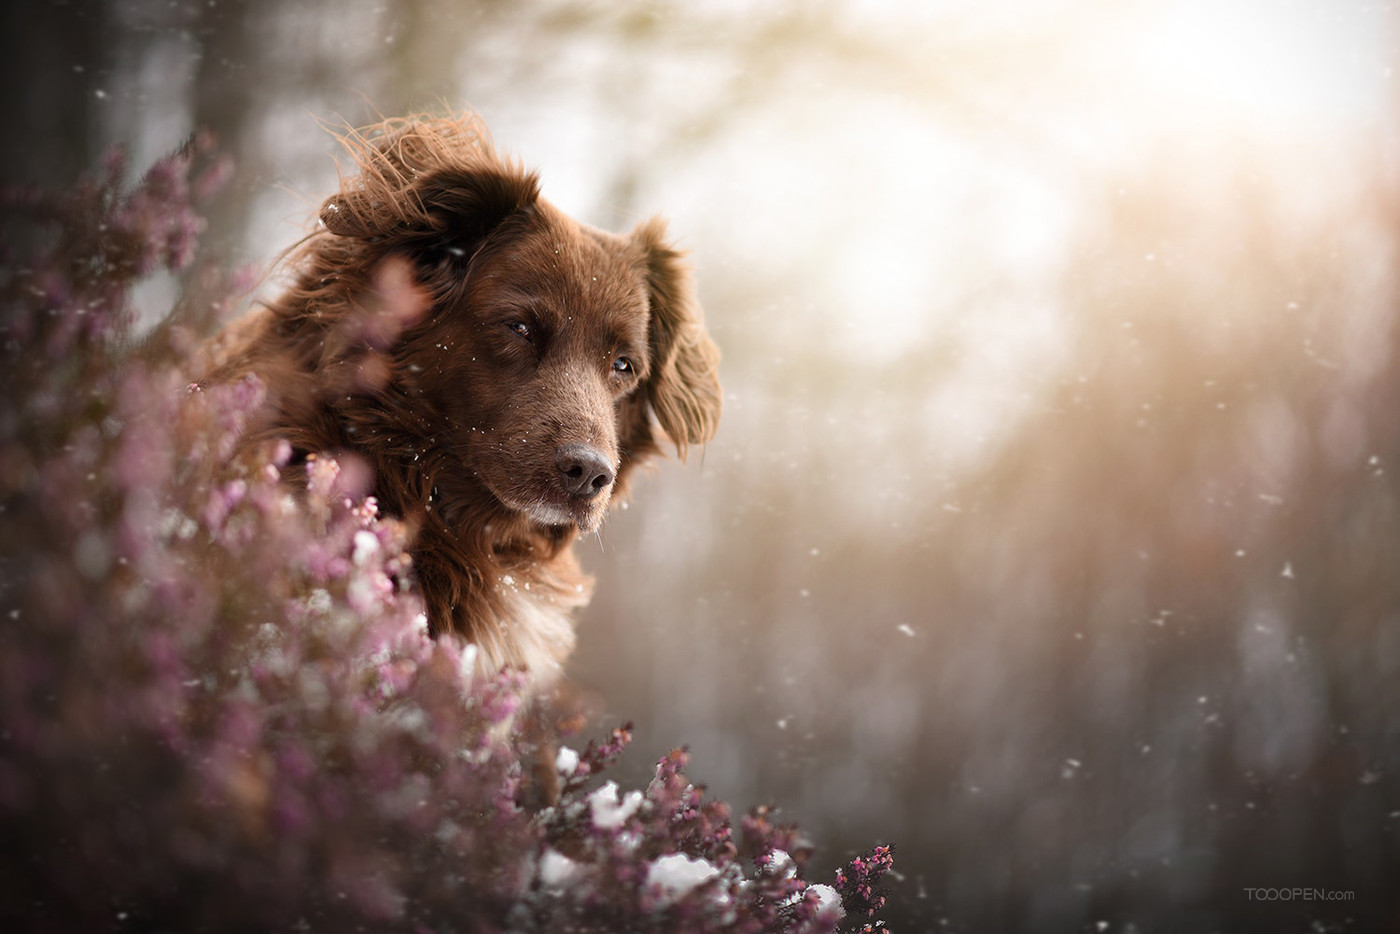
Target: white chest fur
[536, 631]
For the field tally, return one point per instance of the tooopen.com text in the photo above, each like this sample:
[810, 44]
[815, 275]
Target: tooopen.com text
[1299, 894]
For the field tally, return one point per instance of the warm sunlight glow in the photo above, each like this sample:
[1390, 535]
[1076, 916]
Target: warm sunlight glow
[1266, 66]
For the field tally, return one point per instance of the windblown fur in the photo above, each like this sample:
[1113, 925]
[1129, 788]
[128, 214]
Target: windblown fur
[499, 368]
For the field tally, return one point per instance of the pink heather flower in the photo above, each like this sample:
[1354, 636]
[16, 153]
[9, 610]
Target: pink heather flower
[236, 683]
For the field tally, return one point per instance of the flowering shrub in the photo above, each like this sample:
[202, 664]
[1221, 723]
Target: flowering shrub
[219, 707]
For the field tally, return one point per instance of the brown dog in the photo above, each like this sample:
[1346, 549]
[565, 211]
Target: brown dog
[499, 367]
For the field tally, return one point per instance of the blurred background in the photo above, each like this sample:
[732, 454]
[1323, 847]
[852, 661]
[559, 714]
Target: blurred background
[1052, 531]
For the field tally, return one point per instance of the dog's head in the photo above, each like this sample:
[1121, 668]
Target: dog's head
[556, 356]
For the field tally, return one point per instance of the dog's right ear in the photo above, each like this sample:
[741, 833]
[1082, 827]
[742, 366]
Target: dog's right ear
[426, 180]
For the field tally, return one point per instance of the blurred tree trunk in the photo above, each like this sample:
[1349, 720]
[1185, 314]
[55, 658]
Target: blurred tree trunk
[55, 55]
[424, 55]
[231, 86]
[431, 38]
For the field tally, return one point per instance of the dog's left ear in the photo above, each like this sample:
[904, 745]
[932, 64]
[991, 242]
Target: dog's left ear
[682, 389]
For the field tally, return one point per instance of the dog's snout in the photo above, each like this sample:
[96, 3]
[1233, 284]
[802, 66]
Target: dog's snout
[583, 470]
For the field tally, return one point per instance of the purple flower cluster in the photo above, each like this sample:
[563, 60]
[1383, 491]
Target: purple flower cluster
[219, 706]
[663, 859]
[860, 883]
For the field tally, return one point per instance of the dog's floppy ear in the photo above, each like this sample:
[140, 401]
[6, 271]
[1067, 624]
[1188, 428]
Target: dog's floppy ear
[426, 180]
[682, 389]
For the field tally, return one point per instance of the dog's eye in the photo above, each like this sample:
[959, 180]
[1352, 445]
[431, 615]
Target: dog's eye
[623, 367]
[520, 328]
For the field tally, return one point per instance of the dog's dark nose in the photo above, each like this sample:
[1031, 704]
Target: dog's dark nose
[583, 470]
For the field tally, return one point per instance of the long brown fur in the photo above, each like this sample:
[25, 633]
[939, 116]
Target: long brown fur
[456, 332]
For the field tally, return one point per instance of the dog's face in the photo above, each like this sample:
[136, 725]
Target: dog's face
[554, 354]
[557, 319]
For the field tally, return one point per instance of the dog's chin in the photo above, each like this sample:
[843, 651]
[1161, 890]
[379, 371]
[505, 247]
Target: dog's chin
[587, 514]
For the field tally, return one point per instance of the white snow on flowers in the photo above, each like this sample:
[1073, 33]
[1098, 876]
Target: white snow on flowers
[556, 870]
[677, 874]
[828, 902]
[366, 546]
[610, 813]
[780, 863]
[566, 762]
